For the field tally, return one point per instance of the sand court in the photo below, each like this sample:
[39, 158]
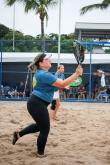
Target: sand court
[81, 135]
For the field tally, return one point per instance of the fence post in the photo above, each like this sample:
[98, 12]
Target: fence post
[0, 65]
[90, 79]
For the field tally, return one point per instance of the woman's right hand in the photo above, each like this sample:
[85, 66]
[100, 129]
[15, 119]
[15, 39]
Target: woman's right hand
[79, 70]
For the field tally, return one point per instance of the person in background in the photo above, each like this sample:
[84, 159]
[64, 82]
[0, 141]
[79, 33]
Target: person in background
[20, 89]
[44, 85]
[56, 98]
[81, 92]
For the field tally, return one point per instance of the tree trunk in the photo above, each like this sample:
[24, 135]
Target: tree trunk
[42, 36]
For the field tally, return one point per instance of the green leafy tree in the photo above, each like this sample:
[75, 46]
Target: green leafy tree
[105, 4]
[40, 7]
[30, 43]
[28, 37]
[18, 35]
[35, 49]
[7, 40]
[67, 46]
[3, 31]
[54, 49]
[10, 48]
[52, 36]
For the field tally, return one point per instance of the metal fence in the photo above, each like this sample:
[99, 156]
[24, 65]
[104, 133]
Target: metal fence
[10, 81]
[18, 86]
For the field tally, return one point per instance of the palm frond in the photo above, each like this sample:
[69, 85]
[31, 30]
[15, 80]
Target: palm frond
[10, 2]
[94, 6]
[52, 3]
[106, 1]
[30, 5]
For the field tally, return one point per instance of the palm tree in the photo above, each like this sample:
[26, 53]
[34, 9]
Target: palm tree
[40, 7]
[105, 4]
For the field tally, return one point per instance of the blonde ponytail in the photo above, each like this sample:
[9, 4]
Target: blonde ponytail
[33, 65]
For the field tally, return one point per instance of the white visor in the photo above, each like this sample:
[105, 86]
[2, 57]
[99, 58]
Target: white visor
[48, 56]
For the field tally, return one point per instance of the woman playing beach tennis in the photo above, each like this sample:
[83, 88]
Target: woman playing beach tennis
[44, 85]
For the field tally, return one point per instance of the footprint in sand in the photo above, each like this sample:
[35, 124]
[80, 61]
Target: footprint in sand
[54, 144]
[14, 122]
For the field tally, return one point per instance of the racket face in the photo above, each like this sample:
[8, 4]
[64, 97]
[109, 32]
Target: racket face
[78, 51]
[81, 57]
[76, 83]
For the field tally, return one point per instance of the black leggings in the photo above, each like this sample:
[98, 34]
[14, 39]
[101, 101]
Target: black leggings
[53, 105]
[37, 108]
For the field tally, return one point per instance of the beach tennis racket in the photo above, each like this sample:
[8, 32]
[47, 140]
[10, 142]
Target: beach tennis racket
[78, 51]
